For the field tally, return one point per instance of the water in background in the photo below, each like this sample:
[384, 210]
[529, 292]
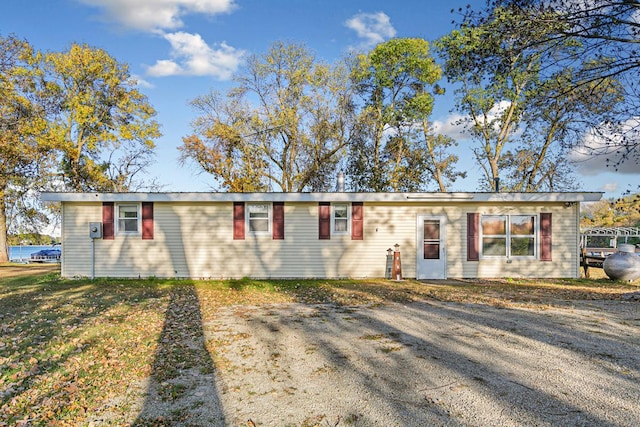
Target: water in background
[17, 253]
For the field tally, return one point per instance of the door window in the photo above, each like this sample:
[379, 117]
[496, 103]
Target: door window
[431, 242]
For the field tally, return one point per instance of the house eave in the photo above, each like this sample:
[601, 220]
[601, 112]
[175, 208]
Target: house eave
[459, 197]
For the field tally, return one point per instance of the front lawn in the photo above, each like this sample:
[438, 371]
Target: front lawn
[73, 352]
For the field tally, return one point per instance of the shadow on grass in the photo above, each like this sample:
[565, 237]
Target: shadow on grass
[182, 388]
[65, 345]
[54, 335]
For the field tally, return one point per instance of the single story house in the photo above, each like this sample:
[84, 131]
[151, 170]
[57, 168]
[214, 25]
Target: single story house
[320, 235]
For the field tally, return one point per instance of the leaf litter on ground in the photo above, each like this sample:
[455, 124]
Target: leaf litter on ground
[72, 351]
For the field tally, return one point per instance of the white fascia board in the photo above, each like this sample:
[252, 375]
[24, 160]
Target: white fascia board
[538, 197]
[321, 197]
[251, 197]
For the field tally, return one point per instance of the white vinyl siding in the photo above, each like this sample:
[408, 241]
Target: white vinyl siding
[76, 244]
[195, 239]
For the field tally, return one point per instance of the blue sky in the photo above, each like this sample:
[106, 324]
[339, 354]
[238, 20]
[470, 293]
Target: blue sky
[180, 49]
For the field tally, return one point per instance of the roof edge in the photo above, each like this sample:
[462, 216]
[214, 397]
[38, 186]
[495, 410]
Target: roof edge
[322, 197]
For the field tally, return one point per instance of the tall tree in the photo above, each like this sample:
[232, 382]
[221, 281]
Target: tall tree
[283, 125]
[555, 121]
[98, 111]
[508, 96]
[605, 34]
[494, 75]
[23, 144]
[397, 147]
[225, 145]
[439, 159]
[127, 164]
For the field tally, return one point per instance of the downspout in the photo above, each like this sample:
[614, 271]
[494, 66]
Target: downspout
[576, 272]
[63, 246]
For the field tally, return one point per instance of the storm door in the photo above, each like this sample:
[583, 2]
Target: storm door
[431, 262]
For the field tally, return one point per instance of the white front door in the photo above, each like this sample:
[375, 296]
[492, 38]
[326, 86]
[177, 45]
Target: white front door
[431, 262]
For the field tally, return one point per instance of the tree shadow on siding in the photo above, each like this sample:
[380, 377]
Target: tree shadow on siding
[182, 388]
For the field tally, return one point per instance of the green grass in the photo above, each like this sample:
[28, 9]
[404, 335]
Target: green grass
[70, 347]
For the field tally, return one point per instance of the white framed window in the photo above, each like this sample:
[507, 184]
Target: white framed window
[508, 235]
[340, 215]
[128, 218]
[259, 218]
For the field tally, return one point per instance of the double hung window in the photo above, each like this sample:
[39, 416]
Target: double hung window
[128, 218]
[340, 218]
[259, 217]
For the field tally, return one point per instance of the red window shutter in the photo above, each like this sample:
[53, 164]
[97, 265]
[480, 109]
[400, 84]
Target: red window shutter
[357, 221]
[238, 220]
[147, 220]
[278, 220]
[324, 220]
[108, 230]
[545, 236]
[473, 236]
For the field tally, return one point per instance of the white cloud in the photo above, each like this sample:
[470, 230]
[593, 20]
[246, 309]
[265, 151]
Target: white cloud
[164, 68]
[590, 164]
[610, 187]
[374, 28]
[157, 15]
[191, 56]
[140, 82]
[603, 150]
[451, 126]
[455, 125]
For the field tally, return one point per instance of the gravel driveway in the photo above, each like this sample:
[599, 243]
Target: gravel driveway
[428, 363]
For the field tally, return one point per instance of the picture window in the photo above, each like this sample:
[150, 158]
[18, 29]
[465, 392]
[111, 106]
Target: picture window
[508, 235]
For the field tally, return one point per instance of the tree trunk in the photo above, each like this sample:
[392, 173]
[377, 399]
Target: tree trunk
[4, 247]
[430, 142]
